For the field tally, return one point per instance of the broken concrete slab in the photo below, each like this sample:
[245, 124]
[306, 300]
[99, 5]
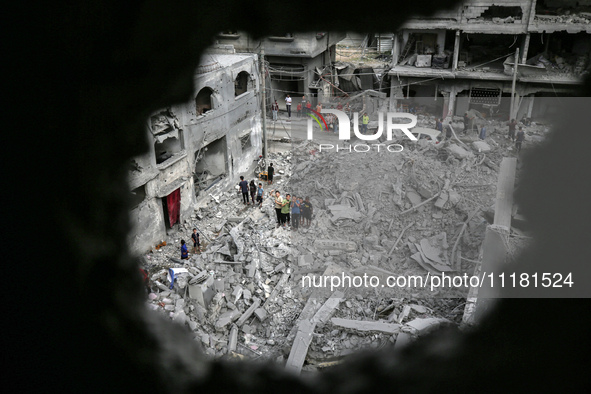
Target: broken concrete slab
[359, 325]
[344, 212]
[203, 293]
[261, 314]
[328, 308]
[256, 303]
[431, 252]
[458, 151]
[277, 289]
[305, 260]
[219, 284]
[325, 244]
[233, 339]
[402, 339]
[423, 325]
[481, 146]
[443, 198]
[227, 317]
[299, 350]
[424, 192]
[413, 197]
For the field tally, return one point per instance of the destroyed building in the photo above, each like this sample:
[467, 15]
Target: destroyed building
[210, 140]
[463, 58]
[296, 61]
[84, 327]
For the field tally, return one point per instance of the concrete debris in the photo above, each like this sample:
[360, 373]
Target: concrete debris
[458, 151]
[481, 146]
[422, 326]
[402, 339]
[358, 325]
[244, 294]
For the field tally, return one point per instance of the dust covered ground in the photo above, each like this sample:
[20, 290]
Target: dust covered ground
[421, 212]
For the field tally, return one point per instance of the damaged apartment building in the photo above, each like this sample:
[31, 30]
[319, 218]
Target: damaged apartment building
[211, 140]
[298, 63]
[464, 58]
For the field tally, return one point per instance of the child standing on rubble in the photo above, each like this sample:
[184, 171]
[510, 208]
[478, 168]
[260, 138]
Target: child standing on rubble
[260, 192]
[253, 191]
[184, 251]
[196, 242]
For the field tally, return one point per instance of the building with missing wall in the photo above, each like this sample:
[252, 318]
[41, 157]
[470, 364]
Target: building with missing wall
[209, 141]
[463, 58]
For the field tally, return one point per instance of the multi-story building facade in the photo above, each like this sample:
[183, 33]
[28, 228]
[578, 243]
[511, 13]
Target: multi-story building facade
[211, 140]
[298, 63]
[464, 58]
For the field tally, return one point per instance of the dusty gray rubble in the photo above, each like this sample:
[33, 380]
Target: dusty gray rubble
[419, 212]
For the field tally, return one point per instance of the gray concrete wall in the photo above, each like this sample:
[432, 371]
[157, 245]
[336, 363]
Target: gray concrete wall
[230, 118]
[303, 44]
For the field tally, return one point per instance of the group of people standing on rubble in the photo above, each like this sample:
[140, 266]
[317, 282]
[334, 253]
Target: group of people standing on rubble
[517, 138]
[292, 212]
[251, 190]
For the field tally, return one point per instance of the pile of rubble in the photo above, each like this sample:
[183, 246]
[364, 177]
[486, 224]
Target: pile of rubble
[568, 17]
[252, 291]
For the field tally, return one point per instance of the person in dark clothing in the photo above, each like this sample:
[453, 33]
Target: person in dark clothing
[520, 138]
[196, 242]
[448, 133]
[307, 211]
[438, 125]
[184, 251]
[270, 172]
[253, 191]
[512, 125]
[244, 188]
[466, 122]
[295, 212]
[285, 210]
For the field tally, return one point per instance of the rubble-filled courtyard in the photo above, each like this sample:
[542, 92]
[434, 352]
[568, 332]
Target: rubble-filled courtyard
[422, 211]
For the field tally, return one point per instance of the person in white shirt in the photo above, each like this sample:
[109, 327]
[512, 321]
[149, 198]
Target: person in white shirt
[288, 105]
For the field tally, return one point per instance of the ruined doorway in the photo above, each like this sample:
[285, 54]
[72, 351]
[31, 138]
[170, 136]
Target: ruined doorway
[171, 205]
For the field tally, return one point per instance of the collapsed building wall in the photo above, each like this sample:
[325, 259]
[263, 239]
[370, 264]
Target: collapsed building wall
[213, 138]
